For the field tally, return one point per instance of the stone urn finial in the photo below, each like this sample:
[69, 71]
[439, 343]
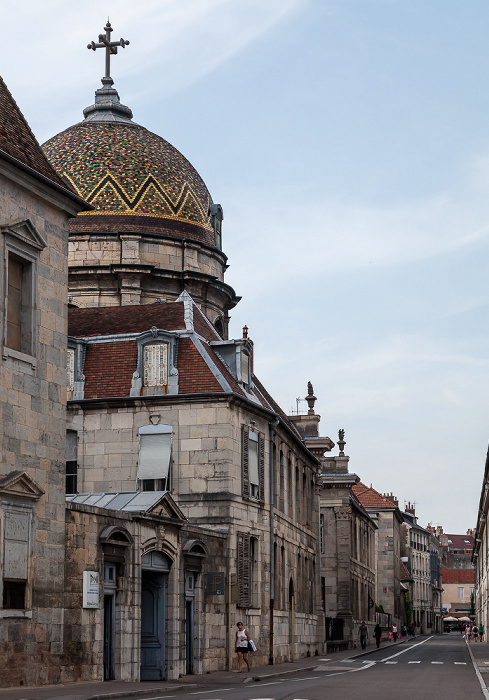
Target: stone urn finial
[341, 442]
[310, 398]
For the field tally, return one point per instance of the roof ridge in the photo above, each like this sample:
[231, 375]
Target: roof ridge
[13, 147]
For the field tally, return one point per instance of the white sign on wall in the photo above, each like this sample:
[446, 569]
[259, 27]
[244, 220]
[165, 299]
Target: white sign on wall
[91, 582]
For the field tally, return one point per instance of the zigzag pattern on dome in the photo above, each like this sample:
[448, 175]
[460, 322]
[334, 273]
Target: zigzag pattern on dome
[129, 173]
[132, 203]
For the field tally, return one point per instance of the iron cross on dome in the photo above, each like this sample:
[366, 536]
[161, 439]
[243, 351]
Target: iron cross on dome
[110, 46]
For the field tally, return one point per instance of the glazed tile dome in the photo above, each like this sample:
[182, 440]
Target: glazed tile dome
[135, 179]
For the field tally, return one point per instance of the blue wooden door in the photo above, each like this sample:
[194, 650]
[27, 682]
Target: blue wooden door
[153, 602]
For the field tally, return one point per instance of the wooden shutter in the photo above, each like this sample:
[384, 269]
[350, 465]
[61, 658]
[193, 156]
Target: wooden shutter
[261, 465]
[71, 369]
[244, 571]
[245, 472]
[155, 364]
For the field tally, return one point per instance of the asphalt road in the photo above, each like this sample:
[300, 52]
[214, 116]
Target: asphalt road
[434, 667]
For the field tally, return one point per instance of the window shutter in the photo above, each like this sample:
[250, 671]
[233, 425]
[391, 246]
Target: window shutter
[261, 465]
[245, 461]
[154, 451]
[155, 364]
[71, 368]
[244, 565]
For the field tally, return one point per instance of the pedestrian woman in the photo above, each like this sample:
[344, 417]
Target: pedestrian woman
[468, 633]
[377, 634]
[481, 632]
[242, 639]
[394, 633]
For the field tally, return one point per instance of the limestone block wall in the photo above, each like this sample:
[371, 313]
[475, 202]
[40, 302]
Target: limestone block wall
[32, 433]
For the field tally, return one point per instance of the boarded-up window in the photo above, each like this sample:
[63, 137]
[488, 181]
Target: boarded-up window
[253, 464]
[155, 454]
[156, 364]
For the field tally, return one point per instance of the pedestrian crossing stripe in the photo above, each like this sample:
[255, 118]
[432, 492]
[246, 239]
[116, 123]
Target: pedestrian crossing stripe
[437, 662]
[414, 662]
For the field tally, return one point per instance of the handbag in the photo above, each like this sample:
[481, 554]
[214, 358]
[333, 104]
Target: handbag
[251, 645]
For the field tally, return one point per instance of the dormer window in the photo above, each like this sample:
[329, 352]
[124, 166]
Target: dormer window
[245, 369]
[70, 368]
[75, 360]
[156, 374]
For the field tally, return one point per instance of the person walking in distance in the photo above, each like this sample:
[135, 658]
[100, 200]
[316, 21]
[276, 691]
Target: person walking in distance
[394, 633]
[468, 633]
[242, 639]
[481, 632]
[475, 632]
[363, 634]
[377, 634]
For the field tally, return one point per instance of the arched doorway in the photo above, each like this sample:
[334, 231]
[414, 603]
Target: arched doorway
[154, 580]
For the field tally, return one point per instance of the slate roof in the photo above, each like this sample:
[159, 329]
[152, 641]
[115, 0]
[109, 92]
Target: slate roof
[457, 575]
[18, 141]
[115, 320]
[463, 542]
[370, 498]
[404, 574]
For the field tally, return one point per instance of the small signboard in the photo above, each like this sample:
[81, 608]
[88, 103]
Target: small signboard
[215, 583]
[91, 581]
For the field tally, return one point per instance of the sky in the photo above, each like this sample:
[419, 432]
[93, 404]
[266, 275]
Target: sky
[348, 144]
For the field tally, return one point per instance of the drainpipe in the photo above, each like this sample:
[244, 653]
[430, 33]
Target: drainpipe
[271, 429]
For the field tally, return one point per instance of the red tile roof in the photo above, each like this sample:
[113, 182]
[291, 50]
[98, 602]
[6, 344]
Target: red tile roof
[116, 320]
[194, 376]
[18, 141]
[370, 498]
[457, 575]
[109, 368]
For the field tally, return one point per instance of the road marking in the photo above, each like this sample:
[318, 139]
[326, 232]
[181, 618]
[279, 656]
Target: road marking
[262, 685]
[414, 662]
[462, 663]
[391, 662]
[408, 649]
[203, 692]
[437, 662]
[325, 659]
[299, 680]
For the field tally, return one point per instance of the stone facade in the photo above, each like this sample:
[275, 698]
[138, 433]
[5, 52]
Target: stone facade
[34, 211]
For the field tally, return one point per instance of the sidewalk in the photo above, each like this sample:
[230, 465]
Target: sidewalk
[100, 690]
[479, 653]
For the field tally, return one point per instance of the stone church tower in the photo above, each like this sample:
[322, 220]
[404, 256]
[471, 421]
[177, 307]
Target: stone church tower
[154, 230]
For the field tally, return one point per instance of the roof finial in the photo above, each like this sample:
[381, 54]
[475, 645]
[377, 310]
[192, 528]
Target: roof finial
[310, 398]
[341, 442]
[110, 47]
[107, 105]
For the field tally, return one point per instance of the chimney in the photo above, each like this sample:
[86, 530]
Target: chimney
[410, 508]
[390, 497]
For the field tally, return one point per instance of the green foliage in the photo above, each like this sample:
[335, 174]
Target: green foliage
[409, 608]
[379, 608]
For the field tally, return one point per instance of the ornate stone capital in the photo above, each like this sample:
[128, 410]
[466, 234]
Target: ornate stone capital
[342, 512]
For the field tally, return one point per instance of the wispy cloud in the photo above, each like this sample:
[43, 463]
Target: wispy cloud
[177, 41]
